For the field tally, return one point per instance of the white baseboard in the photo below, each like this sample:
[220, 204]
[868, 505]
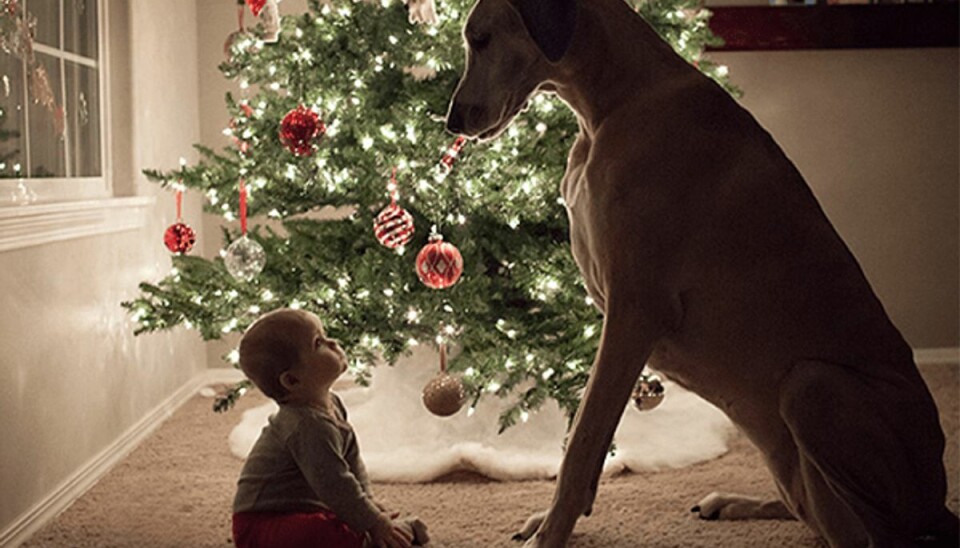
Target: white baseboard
[88, 474]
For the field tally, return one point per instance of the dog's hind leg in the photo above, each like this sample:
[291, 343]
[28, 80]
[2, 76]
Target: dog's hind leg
[728, 506]
[870, 451]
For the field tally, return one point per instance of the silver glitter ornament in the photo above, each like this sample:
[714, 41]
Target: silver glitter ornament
[648, 393]
[244, 259]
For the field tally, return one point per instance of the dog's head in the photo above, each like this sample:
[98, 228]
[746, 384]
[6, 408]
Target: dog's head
[511, 45]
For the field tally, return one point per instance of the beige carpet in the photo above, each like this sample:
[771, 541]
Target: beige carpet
[176, 488]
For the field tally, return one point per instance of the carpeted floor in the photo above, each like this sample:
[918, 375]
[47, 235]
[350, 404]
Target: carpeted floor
[175, 490]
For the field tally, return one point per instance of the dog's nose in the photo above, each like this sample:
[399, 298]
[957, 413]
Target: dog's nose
[455, 120]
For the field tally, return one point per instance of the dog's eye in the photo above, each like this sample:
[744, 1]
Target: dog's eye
[479, 41]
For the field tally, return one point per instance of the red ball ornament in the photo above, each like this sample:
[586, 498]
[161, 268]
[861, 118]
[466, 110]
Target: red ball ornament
[179, 237]
[393, 227]
[256, 6]
[439, 264]
[299, 128]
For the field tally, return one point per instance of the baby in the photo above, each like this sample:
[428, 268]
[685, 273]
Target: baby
[304, 483]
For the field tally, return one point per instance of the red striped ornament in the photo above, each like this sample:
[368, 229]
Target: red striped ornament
[393, 226]
[450, 156]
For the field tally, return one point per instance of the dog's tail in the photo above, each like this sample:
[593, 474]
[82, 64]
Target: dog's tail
[944, 532]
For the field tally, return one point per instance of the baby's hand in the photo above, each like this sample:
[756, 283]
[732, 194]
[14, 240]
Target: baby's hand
[393, 515]
[385, 534]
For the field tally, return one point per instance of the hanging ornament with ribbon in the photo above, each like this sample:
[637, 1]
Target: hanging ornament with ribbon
[451, 154]
[299, 129]
[244, 258]
[443, 395]
[393, 226]
[649, 392]
[439, 264]
[179, 237]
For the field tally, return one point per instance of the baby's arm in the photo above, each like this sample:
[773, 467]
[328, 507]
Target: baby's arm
[316, 446]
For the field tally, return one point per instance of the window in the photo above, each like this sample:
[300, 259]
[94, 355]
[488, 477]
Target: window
[52, 129]
[59, 177]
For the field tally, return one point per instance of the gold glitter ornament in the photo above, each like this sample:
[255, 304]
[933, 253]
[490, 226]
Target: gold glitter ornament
[443, 395]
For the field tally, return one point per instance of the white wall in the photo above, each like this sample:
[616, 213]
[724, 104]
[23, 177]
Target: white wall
[875, 133]
[73, 378]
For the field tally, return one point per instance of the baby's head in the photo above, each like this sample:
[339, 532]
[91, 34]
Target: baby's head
[287, 354]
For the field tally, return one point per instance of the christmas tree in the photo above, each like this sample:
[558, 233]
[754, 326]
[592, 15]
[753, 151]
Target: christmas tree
[519, 318]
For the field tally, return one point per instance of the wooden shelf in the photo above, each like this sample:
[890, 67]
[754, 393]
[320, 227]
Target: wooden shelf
[746, 28]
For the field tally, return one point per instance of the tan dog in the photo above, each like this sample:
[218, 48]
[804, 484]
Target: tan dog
[712, 260]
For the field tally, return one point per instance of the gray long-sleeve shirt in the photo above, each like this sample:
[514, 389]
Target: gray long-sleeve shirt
[303, 461]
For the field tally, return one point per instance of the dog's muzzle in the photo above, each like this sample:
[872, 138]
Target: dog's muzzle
[455, 121]
[462, 119]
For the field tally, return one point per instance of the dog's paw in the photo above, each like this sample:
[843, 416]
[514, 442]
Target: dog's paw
[726, 506]
[532, 543]
[709, 506]
[530, 528]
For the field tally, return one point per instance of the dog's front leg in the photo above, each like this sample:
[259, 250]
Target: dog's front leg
[625, 346]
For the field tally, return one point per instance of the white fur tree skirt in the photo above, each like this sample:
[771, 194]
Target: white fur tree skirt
[403, 442]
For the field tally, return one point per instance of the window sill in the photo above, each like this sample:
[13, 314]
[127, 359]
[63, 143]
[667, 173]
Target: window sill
[38, 224]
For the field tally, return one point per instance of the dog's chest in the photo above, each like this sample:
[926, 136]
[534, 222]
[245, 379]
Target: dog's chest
[576, 196]
[574, 179]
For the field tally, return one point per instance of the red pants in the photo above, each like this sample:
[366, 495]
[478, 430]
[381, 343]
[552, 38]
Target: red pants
[319, 529]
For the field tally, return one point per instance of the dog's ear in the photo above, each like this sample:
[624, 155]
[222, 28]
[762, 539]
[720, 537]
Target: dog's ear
[550, 24]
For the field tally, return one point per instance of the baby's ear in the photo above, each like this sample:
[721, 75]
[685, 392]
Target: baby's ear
[288, 380]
